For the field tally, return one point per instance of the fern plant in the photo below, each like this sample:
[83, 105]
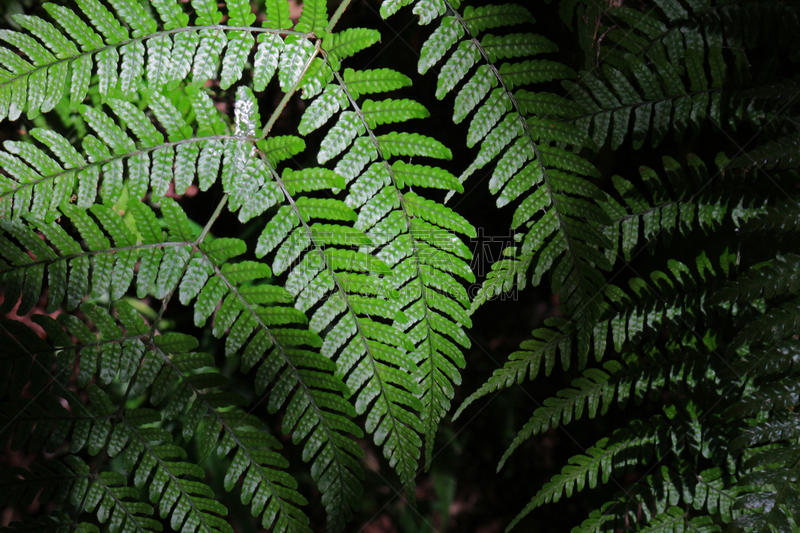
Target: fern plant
[185, 278]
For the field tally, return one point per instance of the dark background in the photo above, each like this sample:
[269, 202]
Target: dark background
[462, 492]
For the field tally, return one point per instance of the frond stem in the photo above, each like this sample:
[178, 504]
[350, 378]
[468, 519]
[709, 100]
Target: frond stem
[337, 15]
[286, 97]
[195, 248]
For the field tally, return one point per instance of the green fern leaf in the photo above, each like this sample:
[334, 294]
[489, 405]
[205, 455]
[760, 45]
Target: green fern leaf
[209, 50]
[266, 59]
[440, 41]
[322, 109]
[239, 46]
[347, 43]
[412, 144]
[456, 67]
[314, 18]
[277, 12]
[360, 82]
[478, 19]
[391, 110]
[340, 136]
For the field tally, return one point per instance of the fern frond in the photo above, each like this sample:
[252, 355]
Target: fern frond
[417, 241]
[597, 389]
[341, 45]
[523, 141]
[775, 359]
[34, 79]
[676, 519]
[780, 154]
[693, 205]
[106, 493]
[316, 412]
[675, 298]
[39, 182]
[711, 491]
[110, 271]
[411, 235]
[208, 276]
[56, 522]
[768, 280]
[271, 493]
[368, 344]
[663, 102]
[639, 443]
[93, 431]
[173, 373]
[768, 495]
[775, 325]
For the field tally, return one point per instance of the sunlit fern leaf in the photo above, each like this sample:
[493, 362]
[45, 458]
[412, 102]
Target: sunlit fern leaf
[209, 277]
[349, 42]
[456, 67]
[360, 82]
[412, 144]
[38, 178]
[429, 10]
[368, 344]
[322, 109]
[373, 339]
[338, 138]
[390, 7]
[391, 110]
[152, 54]
[314, 18]
[239, 45]
[295, 58]
[318, 75]
[265, 63]
[437, 45]
[160, 270]
[413, 236]
[576, 278]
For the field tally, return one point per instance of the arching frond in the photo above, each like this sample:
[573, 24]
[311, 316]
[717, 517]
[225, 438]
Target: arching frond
[135, 46]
